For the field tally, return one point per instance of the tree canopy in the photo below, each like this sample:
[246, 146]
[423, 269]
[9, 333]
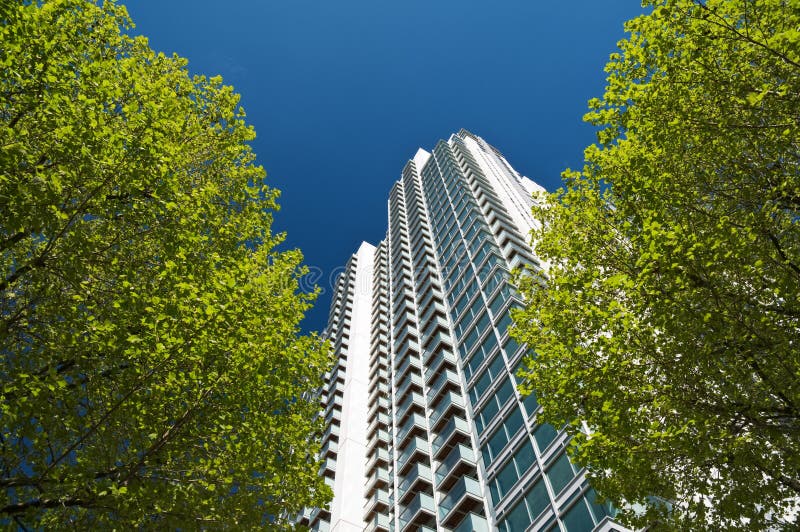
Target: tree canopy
[153, 372]
[668, 323]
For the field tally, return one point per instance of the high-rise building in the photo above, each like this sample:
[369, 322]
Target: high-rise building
[425, 427]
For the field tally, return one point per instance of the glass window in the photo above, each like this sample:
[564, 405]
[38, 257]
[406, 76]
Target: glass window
[480, 386]
[560, 473]
[599, 510]
[511, 347]
[531, 403]
[504, 392]
[544, 435]
[503, 324]
[497, 366]
[488, 412]
[506, 479]
[525, 458]
[517, 520]
[578, 518]
[503, 433]
[537, 498]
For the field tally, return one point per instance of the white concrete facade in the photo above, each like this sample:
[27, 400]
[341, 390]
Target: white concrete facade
[348, 501]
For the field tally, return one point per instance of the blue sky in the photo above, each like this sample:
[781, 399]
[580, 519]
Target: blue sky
[342, 93]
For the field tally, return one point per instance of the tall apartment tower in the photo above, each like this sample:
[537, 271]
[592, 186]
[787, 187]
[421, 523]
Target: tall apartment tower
[425, 427]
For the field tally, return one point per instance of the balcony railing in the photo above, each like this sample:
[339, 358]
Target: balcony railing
[410, 380]
[419, 504]
[472, 523]
[379, 522]
[378, 500]
[414, 420]
[460, 453]
[449, 400]
[448, 376]
[417, 445]
[465, 487]
[418, 472]
[456, 424]
[435, 362]
[411, 399]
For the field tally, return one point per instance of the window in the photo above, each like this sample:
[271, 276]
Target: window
[578, 518]
[544, 435]
[517, 466]
[501, 436]
[485, 350]
[527, 510]
[560, 472]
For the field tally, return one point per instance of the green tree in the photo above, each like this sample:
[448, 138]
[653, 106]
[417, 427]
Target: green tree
[669, 319]
[153, 373]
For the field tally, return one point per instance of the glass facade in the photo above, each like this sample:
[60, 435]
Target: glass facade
[450, 443]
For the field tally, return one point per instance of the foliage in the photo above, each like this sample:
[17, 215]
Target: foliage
[152, 372]
[669, 321]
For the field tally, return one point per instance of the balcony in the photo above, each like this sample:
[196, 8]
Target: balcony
[407, 333]
[420, 512]
[434, 307]
[403, 350]
[380, 404]
[415, 424]
[414, 402]
[450, 401]
[420, 473]
[408, 362]
[410, 381]
[459, 461]
[436, 360]
[441, 337]
[378, 479]
[330, 447]
[379, 436]
[448, 379]
[380, 421]
[472, 523]
[379, 502]
[331, 431]
[381, 390]
[379, 522]
[436, 323]
[455, 431]
[416, 446]
[380, 457]
[463, 498]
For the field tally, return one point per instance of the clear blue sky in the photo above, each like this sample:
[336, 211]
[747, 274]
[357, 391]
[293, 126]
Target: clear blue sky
[341, 93]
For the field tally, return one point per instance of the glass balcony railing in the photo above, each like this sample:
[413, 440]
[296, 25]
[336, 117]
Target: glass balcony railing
[412, 398]
[380, 476]
[436, 361]
[408, 382]
[455, 424]
[438, 338]
[466, 486]
[444, 378]
[379, 498]
[460, 453]
[415, 420]
[380, 455]
[378, 522]
[439, 321]
[421, 503]
[417, 444]
[410, 361]
[472, 523]
[419, 471]
[404, 350]
[450, 399]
